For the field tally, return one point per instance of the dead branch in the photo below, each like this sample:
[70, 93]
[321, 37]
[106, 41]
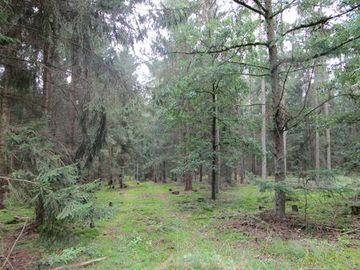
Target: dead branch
[79, 265]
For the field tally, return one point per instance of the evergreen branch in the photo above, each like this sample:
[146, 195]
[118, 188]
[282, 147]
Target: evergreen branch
[322, 20]
[318, 55]
[242, 3]
[314, 109]
[283, 9]
[261, 6]
[225, 49]
[18, 180]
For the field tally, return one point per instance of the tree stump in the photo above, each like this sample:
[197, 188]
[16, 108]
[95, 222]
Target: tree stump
[355, 210]
[295, 208]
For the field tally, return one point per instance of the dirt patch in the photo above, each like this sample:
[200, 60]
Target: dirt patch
[266, 224]
[20, 258]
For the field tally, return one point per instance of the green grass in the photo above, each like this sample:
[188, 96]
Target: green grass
[148, 228]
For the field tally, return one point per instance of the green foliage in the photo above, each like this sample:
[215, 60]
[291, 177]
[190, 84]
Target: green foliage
[53, 188]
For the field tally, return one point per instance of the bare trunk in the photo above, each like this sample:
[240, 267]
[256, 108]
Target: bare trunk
[263, 130]
[121, 178]
[278, 114]
[242, 171]
[214, 164]
[328, 140]
[327, 131]
[164, 172]
[188, 181]
[111, 157]
[201, 173]
[4, 126]
[317, 80]
[285, 153]
[2, 194]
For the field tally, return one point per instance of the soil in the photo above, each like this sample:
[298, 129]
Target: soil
[20, 258]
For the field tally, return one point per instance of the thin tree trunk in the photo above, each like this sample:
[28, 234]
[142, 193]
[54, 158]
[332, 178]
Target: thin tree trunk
[111, 157]
[242, 171]
[164, 172]
[328, 139]
[121, 178]
[201, 173]
[4, 126]
[278, 114]
[317, 80]
[263, 130]
[327, 130]
[285, 152]
[214, 163]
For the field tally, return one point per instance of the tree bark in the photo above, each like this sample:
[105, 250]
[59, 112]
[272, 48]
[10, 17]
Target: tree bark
[278, 114]
[317, 80]
[4, 126]
[188, 181]
[214, 162]
[328, 139]
[201, 173]
[263, 130]
[164, 171]
[242, 171]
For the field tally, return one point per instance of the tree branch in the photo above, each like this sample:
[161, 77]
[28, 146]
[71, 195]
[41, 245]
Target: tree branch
[282, 9]
[244, 45]
[318, 55]
[322, 20]
[242, 3]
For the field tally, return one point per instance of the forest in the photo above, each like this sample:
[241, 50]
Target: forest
[179, 134]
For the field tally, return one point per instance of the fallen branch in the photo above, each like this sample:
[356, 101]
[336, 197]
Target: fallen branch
[13, 246]
[79, 265]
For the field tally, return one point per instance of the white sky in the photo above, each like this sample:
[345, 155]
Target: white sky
[143, 52]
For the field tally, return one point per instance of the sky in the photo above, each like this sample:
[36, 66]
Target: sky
[143, 51]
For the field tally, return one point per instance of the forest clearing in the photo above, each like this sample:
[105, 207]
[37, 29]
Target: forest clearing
[179, 134]
[147, 227]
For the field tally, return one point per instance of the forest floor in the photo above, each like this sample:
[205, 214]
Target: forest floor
[147, 227]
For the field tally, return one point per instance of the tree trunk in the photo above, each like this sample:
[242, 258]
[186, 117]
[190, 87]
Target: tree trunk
[328, 139]
[111, 157]
[327, 130]
[242, 171]
[4, 126]
[121, 179]
[214, 162]
[201, 173]
[2, 194]
[263, 130]
[39, 211]
[285, 152]
[188, 181]
[164, 172]
[317, 80]
[278, 114]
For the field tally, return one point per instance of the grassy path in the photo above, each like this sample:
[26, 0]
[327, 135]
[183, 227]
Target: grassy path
[148, 228]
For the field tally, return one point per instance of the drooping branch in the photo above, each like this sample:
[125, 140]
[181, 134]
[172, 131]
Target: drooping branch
[318, 55]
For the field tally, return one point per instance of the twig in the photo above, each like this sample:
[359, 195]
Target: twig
[17, 180]
[79, 265]
[13, 246]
